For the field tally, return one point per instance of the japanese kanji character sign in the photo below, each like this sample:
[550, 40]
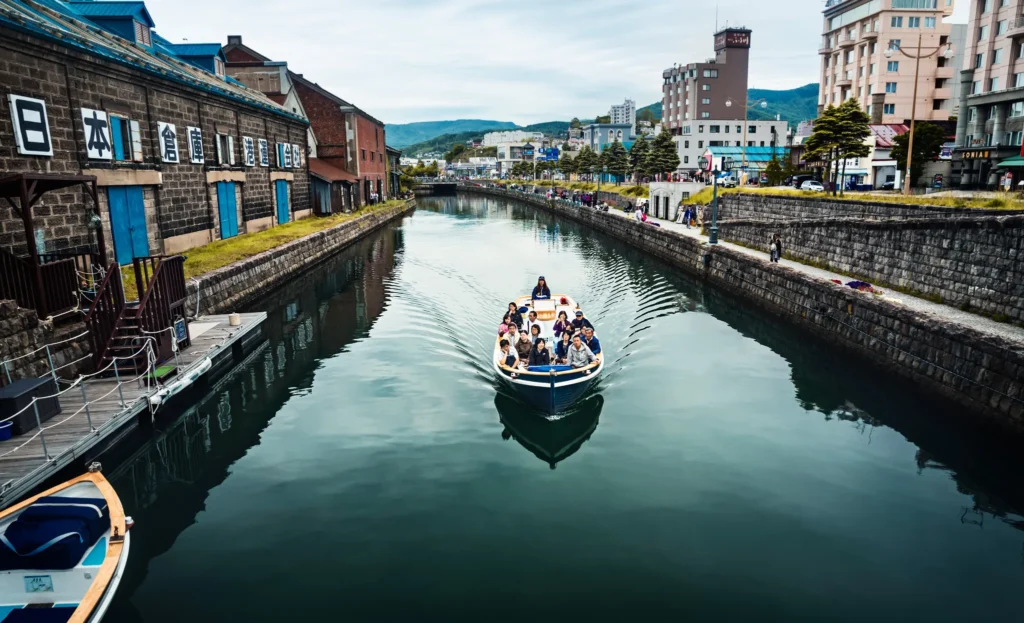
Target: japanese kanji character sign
[97, 134]
[168, 134]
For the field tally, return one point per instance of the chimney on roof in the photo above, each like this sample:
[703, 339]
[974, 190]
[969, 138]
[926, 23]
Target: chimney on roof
[234, 39]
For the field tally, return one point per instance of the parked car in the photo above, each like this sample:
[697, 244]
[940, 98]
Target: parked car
[812, 185]
[728, 181]
[888, 186]
[797, 180]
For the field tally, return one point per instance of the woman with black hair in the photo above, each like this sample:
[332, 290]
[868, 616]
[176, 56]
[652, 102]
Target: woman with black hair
[541, 291]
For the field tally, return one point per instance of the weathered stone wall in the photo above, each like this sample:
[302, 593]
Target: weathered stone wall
[232, 287]
[775, 208]
[980, 371]
[21, 332]
[975, 263]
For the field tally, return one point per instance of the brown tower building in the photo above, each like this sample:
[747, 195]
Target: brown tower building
[700, 90]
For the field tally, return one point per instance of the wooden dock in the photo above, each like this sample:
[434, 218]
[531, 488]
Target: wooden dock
[26, 462]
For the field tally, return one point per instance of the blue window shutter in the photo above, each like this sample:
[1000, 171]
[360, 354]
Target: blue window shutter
[116, 138]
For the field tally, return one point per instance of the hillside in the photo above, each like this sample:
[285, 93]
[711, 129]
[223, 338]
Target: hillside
[401, 135]
[795, 105]
[439, 144]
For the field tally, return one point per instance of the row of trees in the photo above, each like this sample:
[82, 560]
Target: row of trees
[645, 159]
[840, 133]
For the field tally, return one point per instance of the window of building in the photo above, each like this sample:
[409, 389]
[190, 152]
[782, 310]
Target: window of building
[860, 72]
[751, 143]
[716, 144]
[1020, 50]
[938, 104]
[686, 160]
[913, 22]
[873, 48]
[988, 140]
[997, 56]
[982, 33]
[893, 66]
[826, 80]
[142, 34]
[739, 129]
[762, 143]
[364, 154]
[126, 137]
[705, 115]
[726, 129]
[993, 84]
[1018, 80]
[871, 89]
[849, 57]
[700, 129]
[705, 87]
[979, 60]
[715, 129]
[929, 22]
[700, 144]
[1016, 110]
[863, 51]
[890, 87]
[225, 150]
[889, 109]
[896, 21]
[1003, 3]
[984, 5]
[686, 144]
[1001, 27]
[969, 140]
[1014, 138]
[752, 129]
[871, 69]
[975, 87]
[705, 100]
[993, 110]
[868, 109]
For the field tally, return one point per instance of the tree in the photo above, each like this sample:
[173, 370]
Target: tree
[575, 123]
[587, 162]
[774, 172]
[616, 159]
[646, 114]
[567, 166]
[664, 154]
[928, 140]
[839, 134]
[456, 151]
[603, 119]
[637, 156]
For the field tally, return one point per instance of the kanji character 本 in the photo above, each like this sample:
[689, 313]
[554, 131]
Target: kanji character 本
[98, 141]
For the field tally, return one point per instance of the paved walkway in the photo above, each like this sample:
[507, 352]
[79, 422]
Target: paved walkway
[945, 312]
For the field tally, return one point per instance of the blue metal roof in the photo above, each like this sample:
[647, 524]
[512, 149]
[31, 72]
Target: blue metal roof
[196, 49]
[754, 154]
[134, 10]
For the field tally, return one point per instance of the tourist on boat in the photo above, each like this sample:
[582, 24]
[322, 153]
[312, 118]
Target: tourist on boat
[591, 340]
[534, 333]
[580, 322]
[531, 321]
[503, 327]
[508, 356]
[524, 345]
[562, 324]
[579, 355]
[514, 315]
[562, 347]
[541, 291]
[540, 355]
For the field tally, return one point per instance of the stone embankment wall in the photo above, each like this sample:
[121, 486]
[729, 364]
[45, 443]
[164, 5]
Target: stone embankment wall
[980, 371]
[972, 263]
[779, 208]
[231, 287]
[21, 333]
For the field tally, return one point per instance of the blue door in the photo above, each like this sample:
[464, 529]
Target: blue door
[128, 223]
[228, 209]
[282, 201]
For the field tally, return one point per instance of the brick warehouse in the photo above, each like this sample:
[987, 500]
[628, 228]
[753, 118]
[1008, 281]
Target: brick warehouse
[182, 154]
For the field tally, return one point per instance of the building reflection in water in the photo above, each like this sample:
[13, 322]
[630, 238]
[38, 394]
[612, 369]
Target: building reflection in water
[551, 441]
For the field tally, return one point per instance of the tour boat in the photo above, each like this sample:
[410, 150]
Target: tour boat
[550, 441]
[553, 388]
[63, 552]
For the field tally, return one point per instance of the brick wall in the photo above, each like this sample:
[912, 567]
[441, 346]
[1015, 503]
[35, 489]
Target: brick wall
[980, 371]
[773, 207]
[21, 332]
[968, 262]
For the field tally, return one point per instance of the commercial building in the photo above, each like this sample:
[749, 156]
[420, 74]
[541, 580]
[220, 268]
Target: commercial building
[347, 144]
[855, 37]
[991, 121]
[697, 136]
[714, 89]
[181, 153]
[624, 113]
[597, 136]
[493, 139]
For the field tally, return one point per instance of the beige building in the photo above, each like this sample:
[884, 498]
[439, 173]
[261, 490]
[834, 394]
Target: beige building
[990, 128]
[857, 34]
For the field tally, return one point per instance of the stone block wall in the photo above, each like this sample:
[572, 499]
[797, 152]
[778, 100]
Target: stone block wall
[974, 263]
[232, 287]
[21, 333]
[775, 208]
[980, 371]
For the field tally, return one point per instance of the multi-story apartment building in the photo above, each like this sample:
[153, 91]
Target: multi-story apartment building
[624, 113]
[854, 64]
[990, 126]
[493, 139]
[715, 89]
[698, 136]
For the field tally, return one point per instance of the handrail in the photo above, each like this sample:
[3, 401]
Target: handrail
[106, 310]
[597, 362]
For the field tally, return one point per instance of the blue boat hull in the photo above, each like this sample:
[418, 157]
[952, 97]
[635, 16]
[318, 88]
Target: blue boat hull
[551, 399]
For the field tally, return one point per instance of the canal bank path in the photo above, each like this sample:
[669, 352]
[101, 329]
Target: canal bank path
[944, 312]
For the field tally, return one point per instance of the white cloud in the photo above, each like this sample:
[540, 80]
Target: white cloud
[522, 61]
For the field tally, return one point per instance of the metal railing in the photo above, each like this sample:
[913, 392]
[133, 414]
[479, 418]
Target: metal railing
[59, 279]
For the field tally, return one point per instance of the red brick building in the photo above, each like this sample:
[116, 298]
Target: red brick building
[348, 143]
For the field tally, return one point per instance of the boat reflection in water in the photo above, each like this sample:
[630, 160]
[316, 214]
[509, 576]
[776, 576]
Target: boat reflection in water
[551, 441]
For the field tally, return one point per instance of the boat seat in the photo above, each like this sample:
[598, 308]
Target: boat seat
[53, 533]
[60, 614]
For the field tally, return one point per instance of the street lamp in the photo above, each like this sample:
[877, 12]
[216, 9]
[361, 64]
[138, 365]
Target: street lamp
[948, 53]
[763, 103]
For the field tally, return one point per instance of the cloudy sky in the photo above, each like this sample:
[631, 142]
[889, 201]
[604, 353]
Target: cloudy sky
[512, 60]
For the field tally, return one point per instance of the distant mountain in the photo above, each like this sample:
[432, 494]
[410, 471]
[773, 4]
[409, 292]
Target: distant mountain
[403, 134]
[440, 144]
[795, 105]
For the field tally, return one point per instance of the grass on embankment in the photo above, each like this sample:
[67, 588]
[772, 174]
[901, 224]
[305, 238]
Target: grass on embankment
[220, 253]
[988, 203]
[624, 191]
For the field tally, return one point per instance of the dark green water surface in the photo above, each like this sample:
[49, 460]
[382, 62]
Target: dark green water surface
[361, 466]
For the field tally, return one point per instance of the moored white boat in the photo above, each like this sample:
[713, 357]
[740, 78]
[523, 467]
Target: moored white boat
[63, 553]
[554, 388]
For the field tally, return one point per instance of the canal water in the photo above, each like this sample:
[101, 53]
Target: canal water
[361, 466]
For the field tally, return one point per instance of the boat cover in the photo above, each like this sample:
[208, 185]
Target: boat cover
[53, 533]
[40, 615]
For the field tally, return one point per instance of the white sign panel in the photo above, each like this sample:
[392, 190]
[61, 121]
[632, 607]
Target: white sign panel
[296, 156]
[97, 134]
[285, 155]
[31, 127]
[264, 153]
[195, 145]
[168, 135]
[249, 151]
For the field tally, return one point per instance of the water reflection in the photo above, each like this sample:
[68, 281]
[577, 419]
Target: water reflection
[551, 441]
